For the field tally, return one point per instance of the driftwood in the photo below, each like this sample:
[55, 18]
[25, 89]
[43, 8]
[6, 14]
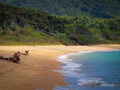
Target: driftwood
[15, 57]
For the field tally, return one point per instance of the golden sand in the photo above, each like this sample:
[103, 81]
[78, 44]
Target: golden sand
[35, 71]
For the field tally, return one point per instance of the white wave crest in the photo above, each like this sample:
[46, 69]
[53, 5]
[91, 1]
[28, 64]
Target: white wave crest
[93, 82]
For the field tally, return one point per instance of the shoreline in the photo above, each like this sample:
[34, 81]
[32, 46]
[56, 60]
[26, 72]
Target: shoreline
[35, 71]
[65, 59]
[70, 70]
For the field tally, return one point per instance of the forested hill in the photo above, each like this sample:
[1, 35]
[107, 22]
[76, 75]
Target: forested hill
[28, 26]
[94, 8]
[18, 25]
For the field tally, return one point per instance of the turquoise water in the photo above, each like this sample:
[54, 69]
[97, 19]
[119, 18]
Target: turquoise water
[91, 71]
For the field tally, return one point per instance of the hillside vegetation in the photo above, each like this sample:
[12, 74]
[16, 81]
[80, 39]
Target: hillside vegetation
[93, 8]
[28, 26]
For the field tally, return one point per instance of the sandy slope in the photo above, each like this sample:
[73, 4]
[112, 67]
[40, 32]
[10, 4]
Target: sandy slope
[35, 71]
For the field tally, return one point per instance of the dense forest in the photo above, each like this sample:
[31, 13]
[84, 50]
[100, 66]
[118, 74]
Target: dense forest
[93, 8]
[29, 26]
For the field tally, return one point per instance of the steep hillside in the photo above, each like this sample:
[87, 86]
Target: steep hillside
[28, 26]
[94, 8]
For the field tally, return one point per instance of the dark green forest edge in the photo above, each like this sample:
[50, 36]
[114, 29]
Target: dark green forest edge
[93, 8]
[20, 26]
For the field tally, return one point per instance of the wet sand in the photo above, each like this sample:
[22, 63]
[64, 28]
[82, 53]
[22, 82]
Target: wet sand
[35, 71]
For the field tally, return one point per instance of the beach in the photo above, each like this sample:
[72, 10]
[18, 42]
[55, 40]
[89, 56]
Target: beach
[36, 70]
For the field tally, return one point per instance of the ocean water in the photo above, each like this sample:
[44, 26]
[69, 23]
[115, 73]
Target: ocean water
[91, 71]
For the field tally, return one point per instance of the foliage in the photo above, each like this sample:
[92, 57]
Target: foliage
[94, 8]
[28, 26]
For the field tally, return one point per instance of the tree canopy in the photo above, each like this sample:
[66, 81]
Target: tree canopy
[93, 8]
[29, 26]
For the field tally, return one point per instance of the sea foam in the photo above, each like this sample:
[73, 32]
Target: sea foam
[72, 70]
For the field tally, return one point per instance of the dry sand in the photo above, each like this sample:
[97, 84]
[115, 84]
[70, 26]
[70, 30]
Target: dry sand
[35, 71]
